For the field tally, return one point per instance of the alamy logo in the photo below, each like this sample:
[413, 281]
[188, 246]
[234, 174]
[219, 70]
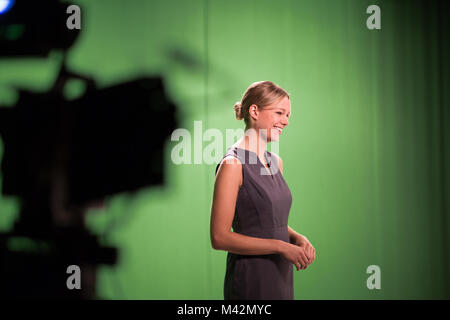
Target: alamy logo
[374, 20]
[190, 149]
[374, 281]
[74, 20]
[74, 280]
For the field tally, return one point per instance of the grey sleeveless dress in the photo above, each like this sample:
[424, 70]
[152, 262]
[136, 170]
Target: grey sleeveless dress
[262, 210]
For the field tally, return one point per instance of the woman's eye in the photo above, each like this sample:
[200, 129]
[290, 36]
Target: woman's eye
[279, 112]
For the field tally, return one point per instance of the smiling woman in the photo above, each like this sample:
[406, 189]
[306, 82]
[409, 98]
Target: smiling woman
[254, 199]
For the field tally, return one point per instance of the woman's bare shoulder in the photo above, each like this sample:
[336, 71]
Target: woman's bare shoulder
[231, 159]
[230, 168]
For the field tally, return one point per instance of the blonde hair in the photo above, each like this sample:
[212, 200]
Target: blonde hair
[261, 93]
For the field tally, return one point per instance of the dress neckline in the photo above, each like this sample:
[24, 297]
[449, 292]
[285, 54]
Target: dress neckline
[265, 155]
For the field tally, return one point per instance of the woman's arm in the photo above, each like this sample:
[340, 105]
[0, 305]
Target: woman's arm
[295, 237]
[226, 187]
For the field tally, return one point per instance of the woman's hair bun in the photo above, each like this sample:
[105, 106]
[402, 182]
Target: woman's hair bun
[238, 110]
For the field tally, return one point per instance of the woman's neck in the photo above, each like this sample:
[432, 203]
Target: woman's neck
[253, 141]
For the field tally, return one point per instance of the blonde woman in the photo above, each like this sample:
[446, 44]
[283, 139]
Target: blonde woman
[252, 197]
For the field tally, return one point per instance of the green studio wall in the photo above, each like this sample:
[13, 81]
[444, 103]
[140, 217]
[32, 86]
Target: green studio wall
[365, 155]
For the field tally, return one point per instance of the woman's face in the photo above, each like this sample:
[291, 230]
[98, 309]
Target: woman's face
[274, 119]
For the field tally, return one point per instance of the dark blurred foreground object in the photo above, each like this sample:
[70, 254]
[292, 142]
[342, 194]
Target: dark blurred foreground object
[59, 157]
[34, 28]
[62, 157]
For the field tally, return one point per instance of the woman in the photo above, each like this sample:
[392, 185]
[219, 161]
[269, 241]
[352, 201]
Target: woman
[251, 196]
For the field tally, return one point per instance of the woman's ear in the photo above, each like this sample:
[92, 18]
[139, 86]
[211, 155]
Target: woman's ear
[253, 111]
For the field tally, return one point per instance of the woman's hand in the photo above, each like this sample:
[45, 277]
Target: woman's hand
[295, 254]
[303, 242]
